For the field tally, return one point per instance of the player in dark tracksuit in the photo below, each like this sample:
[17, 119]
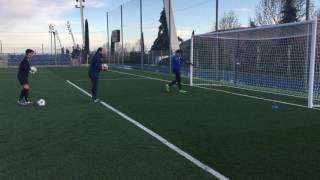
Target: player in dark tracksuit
[177, 61]
[94, 73]
[23, 75]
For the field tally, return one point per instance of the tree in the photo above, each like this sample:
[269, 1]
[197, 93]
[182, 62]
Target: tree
[289, 12]
[252, 23]
[180, 39]
[229, 21]
[86, 46]
[162, 41]
[269, 11]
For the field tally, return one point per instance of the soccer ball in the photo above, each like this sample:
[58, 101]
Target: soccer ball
[41, 102]
[105, 67]
[33, 70]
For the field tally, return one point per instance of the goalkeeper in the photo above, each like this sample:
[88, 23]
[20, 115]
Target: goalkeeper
[23, 74]
[177, 61]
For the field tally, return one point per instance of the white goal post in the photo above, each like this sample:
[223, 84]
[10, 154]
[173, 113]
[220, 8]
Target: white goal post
[280, 59]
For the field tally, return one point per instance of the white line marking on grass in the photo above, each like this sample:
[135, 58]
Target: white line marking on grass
[111, 79]
[141, 76]
[222, 91]
[158, 137]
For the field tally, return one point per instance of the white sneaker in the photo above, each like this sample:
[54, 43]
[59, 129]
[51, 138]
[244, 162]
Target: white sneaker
[28, 102]
[167, 88]
[183, 91]
[22, 103]
[96, 100]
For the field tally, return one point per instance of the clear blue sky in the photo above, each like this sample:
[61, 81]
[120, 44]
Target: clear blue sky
[198, 15]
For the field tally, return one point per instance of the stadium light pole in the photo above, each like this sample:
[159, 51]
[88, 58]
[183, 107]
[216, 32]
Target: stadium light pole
[81, 6]
[141, 38]
[122, 50]
[217, 15]
[108, 36]
[170, 46]
[70, 32]
[51, 29]
[55, 46]
[307, 10]
[0, 46]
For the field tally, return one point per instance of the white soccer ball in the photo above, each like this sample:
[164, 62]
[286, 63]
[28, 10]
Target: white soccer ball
[33, 70]
[105, 67]
[41, 102]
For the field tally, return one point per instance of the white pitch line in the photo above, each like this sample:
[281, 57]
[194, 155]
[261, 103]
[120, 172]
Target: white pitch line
[222, 91]
[141, 76]
[111, 79]
[158, 137]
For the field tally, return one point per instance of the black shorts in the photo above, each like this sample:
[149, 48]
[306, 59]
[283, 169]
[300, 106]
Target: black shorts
[23, 81]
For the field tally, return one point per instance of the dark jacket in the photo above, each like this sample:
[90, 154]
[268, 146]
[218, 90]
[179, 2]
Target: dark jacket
[24, 68]
[95, 66]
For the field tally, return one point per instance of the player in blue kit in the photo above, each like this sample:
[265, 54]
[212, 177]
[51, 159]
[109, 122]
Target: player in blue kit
[177, 61]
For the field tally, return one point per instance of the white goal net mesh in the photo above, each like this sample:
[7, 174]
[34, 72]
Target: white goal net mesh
[274, 59]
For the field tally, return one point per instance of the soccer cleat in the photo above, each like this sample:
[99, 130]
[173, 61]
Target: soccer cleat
[28, 102]
[167, 88]
[21, 102]
[96, 100]
[183, 91]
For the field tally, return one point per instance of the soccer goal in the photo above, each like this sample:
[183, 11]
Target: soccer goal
[279, 59]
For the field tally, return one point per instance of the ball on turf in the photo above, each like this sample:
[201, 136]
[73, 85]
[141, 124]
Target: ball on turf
[105, 67]
[33, 70]
[41, 102]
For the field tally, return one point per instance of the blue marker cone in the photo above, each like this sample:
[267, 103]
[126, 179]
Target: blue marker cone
[275, 106]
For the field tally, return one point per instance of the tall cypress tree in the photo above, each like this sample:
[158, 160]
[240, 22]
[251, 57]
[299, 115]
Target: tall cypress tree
[289, 12]
[86, 46]
[162, 41]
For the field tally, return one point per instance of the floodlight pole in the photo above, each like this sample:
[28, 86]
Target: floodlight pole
[55, 46]
[70, 32]
[141, 38]
[170, 46]
[108, 38]
[307, 10]
[1, 47]
[122, 50]
[82, 22]
[81, 6]
[51, 29]
[217, 15]
[51, 42]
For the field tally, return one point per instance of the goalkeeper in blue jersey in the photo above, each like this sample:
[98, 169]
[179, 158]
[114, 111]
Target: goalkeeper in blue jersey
[177, 61]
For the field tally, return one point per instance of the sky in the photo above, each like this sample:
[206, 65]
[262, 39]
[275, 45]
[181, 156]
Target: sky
[24, 23]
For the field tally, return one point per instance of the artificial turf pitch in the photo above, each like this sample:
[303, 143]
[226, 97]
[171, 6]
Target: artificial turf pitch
[72, 138]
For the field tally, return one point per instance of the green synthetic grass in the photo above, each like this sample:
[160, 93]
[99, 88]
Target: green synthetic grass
[241, 138]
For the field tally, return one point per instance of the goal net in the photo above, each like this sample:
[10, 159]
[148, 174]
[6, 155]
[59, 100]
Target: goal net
[279, 59]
